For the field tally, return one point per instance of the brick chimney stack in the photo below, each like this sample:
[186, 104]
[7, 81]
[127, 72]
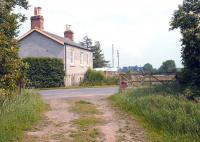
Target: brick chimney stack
[69, 33]
[37, 21]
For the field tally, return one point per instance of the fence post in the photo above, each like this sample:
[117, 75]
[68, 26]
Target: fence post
[120, 83]
[150, 80]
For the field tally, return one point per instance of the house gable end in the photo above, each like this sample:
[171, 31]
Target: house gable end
[36, 44]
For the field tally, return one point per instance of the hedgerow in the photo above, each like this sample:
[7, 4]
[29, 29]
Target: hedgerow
[44, 72]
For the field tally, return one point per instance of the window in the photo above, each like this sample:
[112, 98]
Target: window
[88, 59]
[81, 58]
[72, 57]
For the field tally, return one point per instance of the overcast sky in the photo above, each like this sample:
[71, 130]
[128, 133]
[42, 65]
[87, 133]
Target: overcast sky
[139, 29]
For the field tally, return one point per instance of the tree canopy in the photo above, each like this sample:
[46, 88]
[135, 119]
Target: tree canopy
[187, 19]
[10, 65]
[168, 66]
[98, 56]
[148, 68]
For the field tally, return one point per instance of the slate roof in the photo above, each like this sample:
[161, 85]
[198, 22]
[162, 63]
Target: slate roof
[54, 37]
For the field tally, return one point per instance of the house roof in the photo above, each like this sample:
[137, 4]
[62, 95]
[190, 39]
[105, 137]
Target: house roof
[56, 38]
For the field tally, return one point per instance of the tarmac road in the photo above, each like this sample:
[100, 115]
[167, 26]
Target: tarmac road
[80, 92]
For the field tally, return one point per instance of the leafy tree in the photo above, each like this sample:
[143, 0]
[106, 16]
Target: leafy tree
[98, 56]
[148, 68]
[11, 67]
[168, 66]
[187, 19]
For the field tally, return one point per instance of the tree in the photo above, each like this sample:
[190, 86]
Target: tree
[187, 19]
[11, 67]
[87, 42]
[148, 68]
[98, 56]
[168, 66]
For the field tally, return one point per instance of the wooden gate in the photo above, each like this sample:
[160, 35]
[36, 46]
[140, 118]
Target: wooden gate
[129, 80]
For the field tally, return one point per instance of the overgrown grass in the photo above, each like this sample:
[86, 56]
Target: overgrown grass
[86, 122]
[84, 107]
[168, 116]
[18, 114]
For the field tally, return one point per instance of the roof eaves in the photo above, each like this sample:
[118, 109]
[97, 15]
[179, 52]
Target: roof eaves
[77, 46]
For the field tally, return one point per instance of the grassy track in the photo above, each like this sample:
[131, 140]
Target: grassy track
[86, 131]
[168, 118]
[19, 114]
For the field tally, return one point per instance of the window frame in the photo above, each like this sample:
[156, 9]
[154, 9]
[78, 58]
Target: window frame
[72, 57]
[81, 58]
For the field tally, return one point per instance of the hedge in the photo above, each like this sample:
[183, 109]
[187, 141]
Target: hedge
[97, 78]
[44, 72]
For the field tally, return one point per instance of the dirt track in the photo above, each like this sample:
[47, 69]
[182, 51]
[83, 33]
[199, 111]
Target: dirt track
[57, 125]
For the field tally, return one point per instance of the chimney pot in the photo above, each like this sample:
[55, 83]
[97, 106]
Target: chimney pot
[69, 33]
[37, 21]
[39, 10]
[35, 11]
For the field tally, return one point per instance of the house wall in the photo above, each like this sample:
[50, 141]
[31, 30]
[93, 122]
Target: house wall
[75, 72]
[37, 45]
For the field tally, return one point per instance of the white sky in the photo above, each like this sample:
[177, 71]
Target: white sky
[139, 29]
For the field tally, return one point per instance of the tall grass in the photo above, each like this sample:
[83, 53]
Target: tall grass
[18, 114]
[168, 117]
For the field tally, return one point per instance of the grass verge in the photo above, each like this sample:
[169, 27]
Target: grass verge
[19, 114]
[167, 117]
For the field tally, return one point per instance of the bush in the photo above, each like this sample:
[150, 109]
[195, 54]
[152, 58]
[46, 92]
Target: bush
[44, 72]
[97, 78]
[189, 81]
[170, 118]
[19, 113]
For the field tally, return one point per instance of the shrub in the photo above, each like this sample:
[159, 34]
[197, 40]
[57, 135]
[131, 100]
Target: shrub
[44, 72]
[96, 78]
[19, 113]
[172, 118]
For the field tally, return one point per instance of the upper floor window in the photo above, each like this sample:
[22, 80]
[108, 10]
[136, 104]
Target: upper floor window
[72, 57]
[81, 58]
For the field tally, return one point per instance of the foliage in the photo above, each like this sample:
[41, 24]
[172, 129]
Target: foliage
[87, 42]
[167, 117]
[19, 113]
[148, 68]
[168, 66]
[131, 69]
[11, 67]
[187, 19]
[97, 78]
[44, 72]
[98, 56]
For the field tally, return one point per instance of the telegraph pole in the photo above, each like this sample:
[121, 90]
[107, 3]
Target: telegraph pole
[118, 60]
[113, 57]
